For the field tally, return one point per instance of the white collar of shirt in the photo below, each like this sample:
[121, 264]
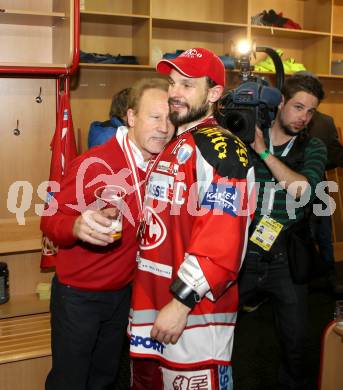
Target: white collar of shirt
[179, 131]
[122, 131]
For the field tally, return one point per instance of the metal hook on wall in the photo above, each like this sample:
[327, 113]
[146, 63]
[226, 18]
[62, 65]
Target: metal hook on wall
[38, 98]
[16, 131]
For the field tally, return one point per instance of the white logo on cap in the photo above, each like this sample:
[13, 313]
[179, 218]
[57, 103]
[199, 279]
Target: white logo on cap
[191, 53]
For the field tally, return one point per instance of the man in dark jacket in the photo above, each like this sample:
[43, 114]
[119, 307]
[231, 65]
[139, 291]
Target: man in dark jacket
[323, 127]
[101, 132]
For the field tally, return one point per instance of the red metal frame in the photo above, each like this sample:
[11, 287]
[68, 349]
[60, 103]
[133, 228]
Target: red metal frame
[53, 71]
[62, 85]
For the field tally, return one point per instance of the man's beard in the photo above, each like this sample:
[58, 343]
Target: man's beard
[288, 130]
[195, 113]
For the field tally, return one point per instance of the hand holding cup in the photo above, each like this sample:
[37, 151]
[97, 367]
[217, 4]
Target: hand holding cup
[109, 198]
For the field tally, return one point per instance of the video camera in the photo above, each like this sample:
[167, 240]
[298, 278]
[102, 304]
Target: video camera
[253, 102]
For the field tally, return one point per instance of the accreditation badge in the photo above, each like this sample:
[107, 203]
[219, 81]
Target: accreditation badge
[266, 232]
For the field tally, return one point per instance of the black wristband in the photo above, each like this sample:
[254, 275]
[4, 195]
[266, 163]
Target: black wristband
[183, 293]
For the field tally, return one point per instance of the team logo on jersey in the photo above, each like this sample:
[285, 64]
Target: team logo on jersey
[223, 197]
[187, 380]
[155, 231]
[178, 145]
[167, 167]
[181, 382]
[184, 153]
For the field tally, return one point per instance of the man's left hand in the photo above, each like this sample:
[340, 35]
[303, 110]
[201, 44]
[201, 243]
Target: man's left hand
[258, 145]
[170, 322]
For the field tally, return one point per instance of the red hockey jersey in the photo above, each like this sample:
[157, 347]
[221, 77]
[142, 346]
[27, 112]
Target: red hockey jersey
[197, 212]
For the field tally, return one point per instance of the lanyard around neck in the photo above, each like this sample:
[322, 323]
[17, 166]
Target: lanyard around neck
[287, 148]
[130, 159]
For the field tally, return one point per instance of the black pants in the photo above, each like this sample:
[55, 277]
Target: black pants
[269, 274]
[88, 330]
[321, 228]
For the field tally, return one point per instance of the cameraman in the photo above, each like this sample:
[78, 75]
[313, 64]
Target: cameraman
[288, 166]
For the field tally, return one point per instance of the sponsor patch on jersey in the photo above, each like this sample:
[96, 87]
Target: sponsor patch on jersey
[160, 187]
[155, 230]
[225, 197]
[187, 380]
[167, 167]
[147, 343]
[225, 377]
[184, 153]
[155, 268]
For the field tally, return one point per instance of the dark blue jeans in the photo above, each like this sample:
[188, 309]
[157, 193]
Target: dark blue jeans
[269, 274]
[88, 330]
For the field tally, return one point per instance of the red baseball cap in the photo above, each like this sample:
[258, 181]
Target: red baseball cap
[194, 63]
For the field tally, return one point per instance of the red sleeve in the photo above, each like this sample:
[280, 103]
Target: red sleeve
[75, 196]
[219, 237]
[224, 193]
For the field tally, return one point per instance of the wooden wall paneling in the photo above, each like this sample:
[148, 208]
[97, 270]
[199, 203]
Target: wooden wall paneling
[316, 54]
[62, 32]
[312, 50]
[141, 38]
[25, 375]
[333, 101]
[92, 93]
[118, 6]
[304, 13]
[36, 34]
[19, 159]
[176, 36]
[337, 17]
[14, 41]
[24, 276]
[108, 36]
[311, 10]
[23, 237]
[24, 272]
[31, 5]
[178, 9]
[21, 155]
[337, 49]
[236, 11]
[141, 7]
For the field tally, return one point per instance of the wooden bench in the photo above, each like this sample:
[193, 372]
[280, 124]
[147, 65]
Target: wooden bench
[25, 352]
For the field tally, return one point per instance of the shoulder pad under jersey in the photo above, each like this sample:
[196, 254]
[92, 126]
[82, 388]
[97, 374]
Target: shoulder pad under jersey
[223, 150]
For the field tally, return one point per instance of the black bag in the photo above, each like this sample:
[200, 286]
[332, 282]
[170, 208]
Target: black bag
[303, 256]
